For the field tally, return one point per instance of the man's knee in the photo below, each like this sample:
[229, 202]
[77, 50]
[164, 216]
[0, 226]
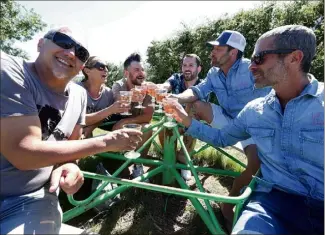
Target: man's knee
[199, 105]
[203, 111]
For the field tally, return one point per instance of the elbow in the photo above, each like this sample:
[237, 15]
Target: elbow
[21, 165]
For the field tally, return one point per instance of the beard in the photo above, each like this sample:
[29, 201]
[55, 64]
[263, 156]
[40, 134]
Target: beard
[271, 77]
[60, 74]
[189, 77]
[137, 81]
[223, 60]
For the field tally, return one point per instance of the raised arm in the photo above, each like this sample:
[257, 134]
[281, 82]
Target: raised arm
[229, 135]
[23, 147]
[98, 116]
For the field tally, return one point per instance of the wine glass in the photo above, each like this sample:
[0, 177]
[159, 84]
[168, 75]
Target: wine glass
[151, 89]
[168, 107]
[160, 95]
[132, 154]
[126, 98]
[140, 92]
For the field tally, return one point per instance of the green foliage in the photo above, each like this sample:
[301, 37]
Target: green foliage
[115, 72]
[17, 24]
[164, 57]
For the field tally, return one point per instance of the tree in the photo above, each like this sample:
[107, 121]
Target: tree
[115, 72]
[17, 24]
[164, 57]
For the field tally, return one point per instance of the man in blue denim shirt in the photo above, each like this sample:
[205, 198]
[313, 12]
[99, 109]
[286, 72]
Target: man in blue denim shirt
[233, 84]
[288, 128]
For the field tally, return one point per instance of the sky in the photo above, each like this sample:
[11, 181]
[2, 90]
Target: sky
[114, 29]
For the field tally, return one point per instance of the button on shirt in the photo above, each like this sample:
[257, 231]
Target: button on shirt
[234, 91]
[290, 143]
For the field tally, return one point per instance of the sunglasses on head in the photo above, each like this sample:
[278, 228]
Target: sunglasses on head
[259, 57]
[100, 66]
[66, 42]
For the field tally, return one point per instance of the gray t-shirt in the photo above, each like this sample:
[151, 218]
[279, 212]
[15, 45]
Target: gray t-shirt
[104, 100]
[120, 85]
[22, 94]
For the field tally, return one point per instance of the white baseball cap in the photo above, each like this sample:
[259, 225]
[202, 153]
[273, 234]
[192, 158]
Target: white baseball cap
[230, 38]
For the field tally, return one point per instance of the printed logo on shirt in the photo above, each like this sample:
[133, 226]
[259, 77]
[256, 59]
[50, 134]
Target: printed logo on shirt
[318, 118]
[50, 118]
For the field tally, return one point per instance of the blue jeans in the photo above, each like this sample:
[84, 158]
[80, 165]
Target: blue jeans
[278, 212]
[38, 212]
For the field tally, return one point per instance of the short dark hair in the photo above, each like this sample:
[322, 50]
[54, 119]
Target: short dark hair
[133, 57]
[239, 54]
[197, 58]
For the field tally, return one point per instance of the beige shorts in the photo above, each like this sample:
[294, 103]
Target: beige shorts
[220, 120]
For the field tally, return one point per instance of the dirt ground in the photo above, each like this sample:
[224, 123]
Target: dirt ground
[147, 212]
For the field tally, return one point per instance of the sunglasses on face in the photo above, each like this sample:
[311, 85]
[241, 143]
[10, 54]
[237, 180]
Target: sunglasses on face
[100, 66]
[259, 57]
[66, 42]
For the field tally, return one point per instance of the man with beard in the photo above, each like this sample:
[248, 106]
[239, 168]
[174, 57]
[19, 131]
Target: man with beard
[287, 126]
[42, 114]
[176, 84]
[134, 76]
[233, 84]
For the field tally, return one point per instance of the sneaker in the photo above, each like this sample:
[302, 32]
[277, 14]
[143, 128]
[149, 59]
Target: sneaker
[138, 171]
[186, 174]
[96, 184]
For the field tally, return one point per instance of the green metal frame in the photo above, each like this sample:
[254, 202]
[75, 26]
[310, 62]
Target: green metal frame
[167, 167]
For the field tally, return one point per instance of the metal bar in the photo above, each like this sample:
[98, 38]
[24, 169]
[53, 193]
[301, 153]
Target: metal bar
[231, 157]
[99, 190]
[197, 205]
[159, 149]
[199, 150]
[170, 190]
[107, 123]
[150, 139]
[198, 182]
[209, 170]
[101, 198]
[169, 159]
[177, 165]
[240, 205]
[154, 125]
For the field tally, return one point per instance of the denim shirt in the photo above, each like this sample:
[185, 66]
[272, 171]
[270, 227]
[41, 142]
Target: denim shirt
[290, 143]
[234, 91]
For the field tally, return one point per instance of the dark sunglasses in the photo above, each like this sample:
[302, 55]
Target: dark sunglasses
[99, 66]
[259, 57]
[66, 42]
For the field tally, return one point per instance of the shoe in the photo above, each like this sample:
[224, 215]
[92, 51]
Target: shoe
[186, 174]
[138, 171]
[96, 184]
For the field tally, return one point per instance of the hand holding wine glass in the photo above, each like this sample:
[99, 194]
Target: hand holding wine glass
[168, 103]
[126, 98]
[139, 94]
[160, 95]
[151, 90]
[132, 154]
[178, 112]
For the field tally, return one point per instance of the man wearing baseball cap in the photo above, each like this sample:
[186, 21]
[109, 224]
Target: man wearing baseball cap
[233, 84]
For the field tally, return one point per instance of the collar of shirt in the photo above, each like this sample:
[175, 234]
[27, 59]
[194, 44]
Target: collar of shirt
[311, 89]
[233, 67]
